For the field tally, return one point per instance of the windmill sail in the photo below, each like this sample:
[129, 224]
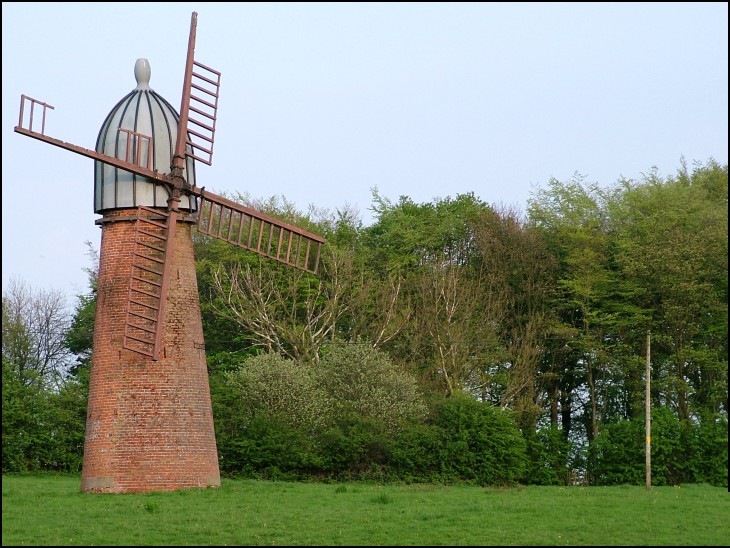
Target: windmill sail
[198, 106]
[26, 127]
[147, 283]
[217, 216]
[250, 229]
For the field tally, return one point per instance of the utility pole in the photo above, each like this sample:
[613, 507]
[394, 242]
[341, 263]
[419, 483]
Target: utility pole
[648, 410]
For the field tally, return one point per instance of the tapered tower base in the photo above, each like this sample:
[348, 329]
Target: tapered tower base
[149, 423]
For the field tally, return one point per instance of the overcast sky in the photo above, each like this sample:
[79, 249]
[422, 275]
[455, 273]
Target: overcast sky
[322, 102]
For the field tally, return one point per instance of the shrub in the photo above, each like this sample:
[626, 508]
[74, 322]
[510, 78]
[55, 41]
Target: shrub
[270, 385]
[681, 451]
[413, 455]
[268, 448]
[362, 380]
[42, 430]
[710, 464]
[479, 442]
[548, 453]
[616, 456]
[352, 447]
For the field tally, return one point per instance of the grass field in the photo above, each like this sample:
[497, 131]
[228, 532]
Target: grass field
[51, 511]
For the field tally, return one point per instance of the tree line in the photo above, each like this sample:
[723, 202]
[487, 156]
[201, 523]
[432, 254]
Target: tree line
[447, 341]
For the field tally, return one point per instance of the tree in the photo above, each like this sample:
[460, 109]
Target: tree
[80, 336]
[519, 280]
[424, 257]
[572, 216]
[454, 328]
[285, 311]
[671, 244]
[250, 303]
[34, 327]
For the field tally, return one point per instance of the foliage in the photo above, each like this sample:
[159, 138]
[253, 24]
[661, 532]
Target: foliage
[671, 247]
[267, 448]
[354, 447]
[23, 404]
[548, 455]
[44, 410]
[336, 417]
[41, 430]
[272, 386]
[44, 392]
[422, 258]
[480, 443]
[362, 380]
[616, 456]
[518, 271]
[680, 451]
[80, 336]
[710, 462]
[355, 416]
[407, 235]
[415, 454]
[535, 325]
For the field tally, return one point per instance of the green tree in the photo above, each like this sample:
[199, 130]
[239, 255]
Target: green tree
[79, 339]
[427, 251]
[518, 273]
[42, 430]
[24, 403]
[572, 216]
[671, 245]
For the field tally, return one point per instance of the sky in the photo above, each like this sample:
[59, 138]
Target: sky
[324, 104]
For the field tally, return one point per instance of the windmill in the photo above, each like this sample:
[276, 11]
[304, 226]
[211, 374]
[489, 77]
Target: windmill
[149, 423]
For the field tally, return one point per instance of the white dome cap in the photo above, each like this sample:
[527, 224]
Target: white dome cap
[144, 112]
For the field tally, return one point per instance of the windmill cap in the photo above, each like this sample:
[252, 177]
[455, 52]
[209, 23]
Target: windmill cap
[142, 73]
[142, 129]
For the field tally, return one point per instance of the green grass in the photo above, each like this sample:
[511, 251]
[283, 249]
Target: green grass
[51, 510]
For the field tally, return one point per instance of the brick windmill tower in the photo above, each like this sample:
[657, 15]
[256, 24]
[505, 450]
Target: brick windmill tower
[149, 421]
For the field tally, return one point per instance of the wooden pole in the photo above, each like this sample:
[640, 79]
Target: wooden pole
[648, 410]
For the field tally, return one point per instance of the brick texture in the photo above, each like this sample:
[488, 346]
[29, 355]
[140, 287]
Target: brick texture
[149, 424]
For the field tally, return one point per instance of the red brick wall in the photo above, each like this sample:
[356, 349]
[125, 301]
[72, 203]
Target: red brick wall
[149, 424]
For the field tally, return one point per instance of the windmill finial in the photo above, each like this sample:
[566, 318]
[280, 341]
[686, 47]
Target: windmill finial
[142, 73]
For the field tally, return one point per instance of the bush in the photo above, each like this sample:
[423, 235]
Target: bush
[479, 442]
[548, 453]
[337, 417]
[42, 430]
[413, 456]
[268, 448]
[353, 447]
[362, 380]
[270, 385]
[681, 451]
[710, 464]
[616, 456]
